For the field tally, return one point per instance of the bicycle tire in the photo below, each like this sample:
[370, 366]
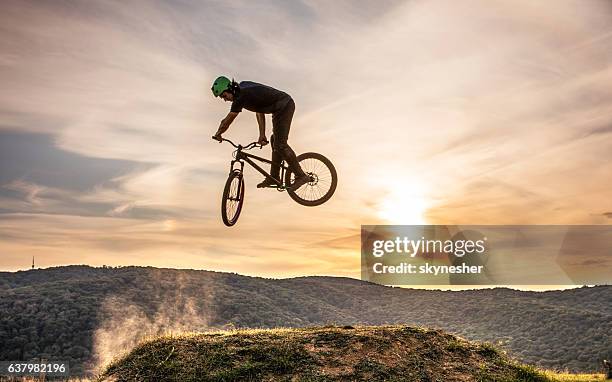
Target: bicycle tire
[233, 198]
[321, 171]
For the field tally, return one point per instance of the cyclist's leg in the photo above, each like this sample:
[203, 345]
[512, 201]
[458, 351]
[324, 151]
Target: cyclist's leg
[281, 123]
[274, 167]
[276, 160]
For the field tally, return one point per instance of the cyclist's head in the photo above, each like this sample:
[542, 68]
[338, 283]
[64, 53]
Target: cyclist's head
[227, 95]
[224, 85]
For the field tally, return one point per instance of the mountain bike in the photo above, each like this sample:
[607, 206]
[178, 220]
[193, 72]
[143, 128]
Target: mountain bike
[320, 188]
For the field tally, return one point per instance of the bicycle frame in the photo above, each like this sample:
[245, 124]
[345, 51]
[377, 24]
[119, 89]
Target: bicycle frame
[241, 157]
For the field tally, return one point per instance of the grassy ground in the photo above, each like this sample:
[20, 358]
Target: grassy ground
[553, 377]
[564, 377]
[556, 377]
[382, 353]
[327, 354]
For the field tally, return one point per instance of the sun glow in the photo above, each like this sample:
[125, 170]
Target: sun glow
[405, 204]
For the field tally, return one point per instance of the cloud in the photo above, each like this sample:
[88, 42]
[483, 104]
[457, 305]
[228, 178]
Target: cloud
[37, 177]
[601, 130]
[595, 262]
[34, 158]
[351, 242]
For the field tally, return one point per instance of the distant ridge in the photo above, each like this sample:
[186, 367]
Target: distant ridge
[68, 312]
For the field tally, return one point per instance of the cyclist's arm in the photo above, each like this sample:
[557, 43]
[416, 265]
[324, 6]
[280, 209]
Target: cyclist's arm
[226, 122]
[261, 121]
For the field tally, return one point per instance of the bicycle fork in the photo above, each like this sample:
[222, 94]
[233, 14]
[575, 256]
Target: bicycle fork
[241, 166]
[240, 183]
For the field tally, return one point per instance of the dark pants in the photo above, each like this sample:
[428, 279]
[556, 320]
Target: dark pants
[281, 123]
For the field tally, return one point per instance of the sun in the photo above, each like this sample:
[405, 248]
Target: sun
[403, 205]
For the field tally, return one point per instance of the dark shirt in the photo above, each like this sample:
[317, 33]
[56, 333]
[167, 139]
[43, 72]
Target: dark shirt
[259, 98]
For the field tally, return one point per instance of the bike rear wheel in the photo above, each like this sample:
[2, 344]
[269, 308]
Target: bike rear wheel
[233, 197]
[323, 180]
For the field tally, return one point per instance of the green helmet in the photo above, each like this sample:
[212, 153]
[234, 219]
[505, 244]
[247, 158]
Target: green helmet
[220, 85]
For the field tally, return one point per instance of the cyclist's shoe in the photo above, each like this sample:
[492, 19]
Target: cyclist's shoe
[267, 183]
[299, 182]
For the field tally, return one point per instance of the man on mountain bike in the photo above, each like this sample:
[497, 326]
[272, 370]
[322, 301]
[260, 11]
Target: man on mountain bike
[262, 100]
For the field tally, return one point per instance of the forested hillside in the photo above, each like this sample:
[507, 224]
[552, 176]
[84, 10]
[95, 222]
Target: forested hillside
[82, 313]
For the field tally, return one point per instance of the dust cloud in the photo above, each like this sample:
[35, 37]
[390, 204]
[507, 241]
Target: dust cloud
[169, 303]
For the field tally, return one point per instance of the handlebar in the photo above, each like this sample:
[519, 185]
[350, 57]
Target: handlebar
[238, 146]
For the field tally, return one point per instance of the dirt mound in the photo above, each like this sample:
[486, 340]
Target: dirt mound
[380, 353]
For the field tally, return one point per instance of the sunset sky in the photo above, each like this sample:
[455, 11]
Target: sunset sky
[437, 112]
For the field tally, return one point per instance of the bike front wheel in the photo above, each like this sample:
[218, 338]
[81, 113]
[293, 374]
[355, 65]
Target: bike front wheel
[233, 197]
[323, 180]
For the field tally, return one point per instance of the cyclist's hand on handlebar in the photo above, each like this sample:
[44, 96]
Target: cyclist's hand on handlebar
[217, 137]
[262, 140]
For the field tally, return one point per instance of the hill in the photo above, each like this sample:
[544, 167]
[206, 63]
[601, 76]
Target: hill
[87, 314]
[385, 353]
